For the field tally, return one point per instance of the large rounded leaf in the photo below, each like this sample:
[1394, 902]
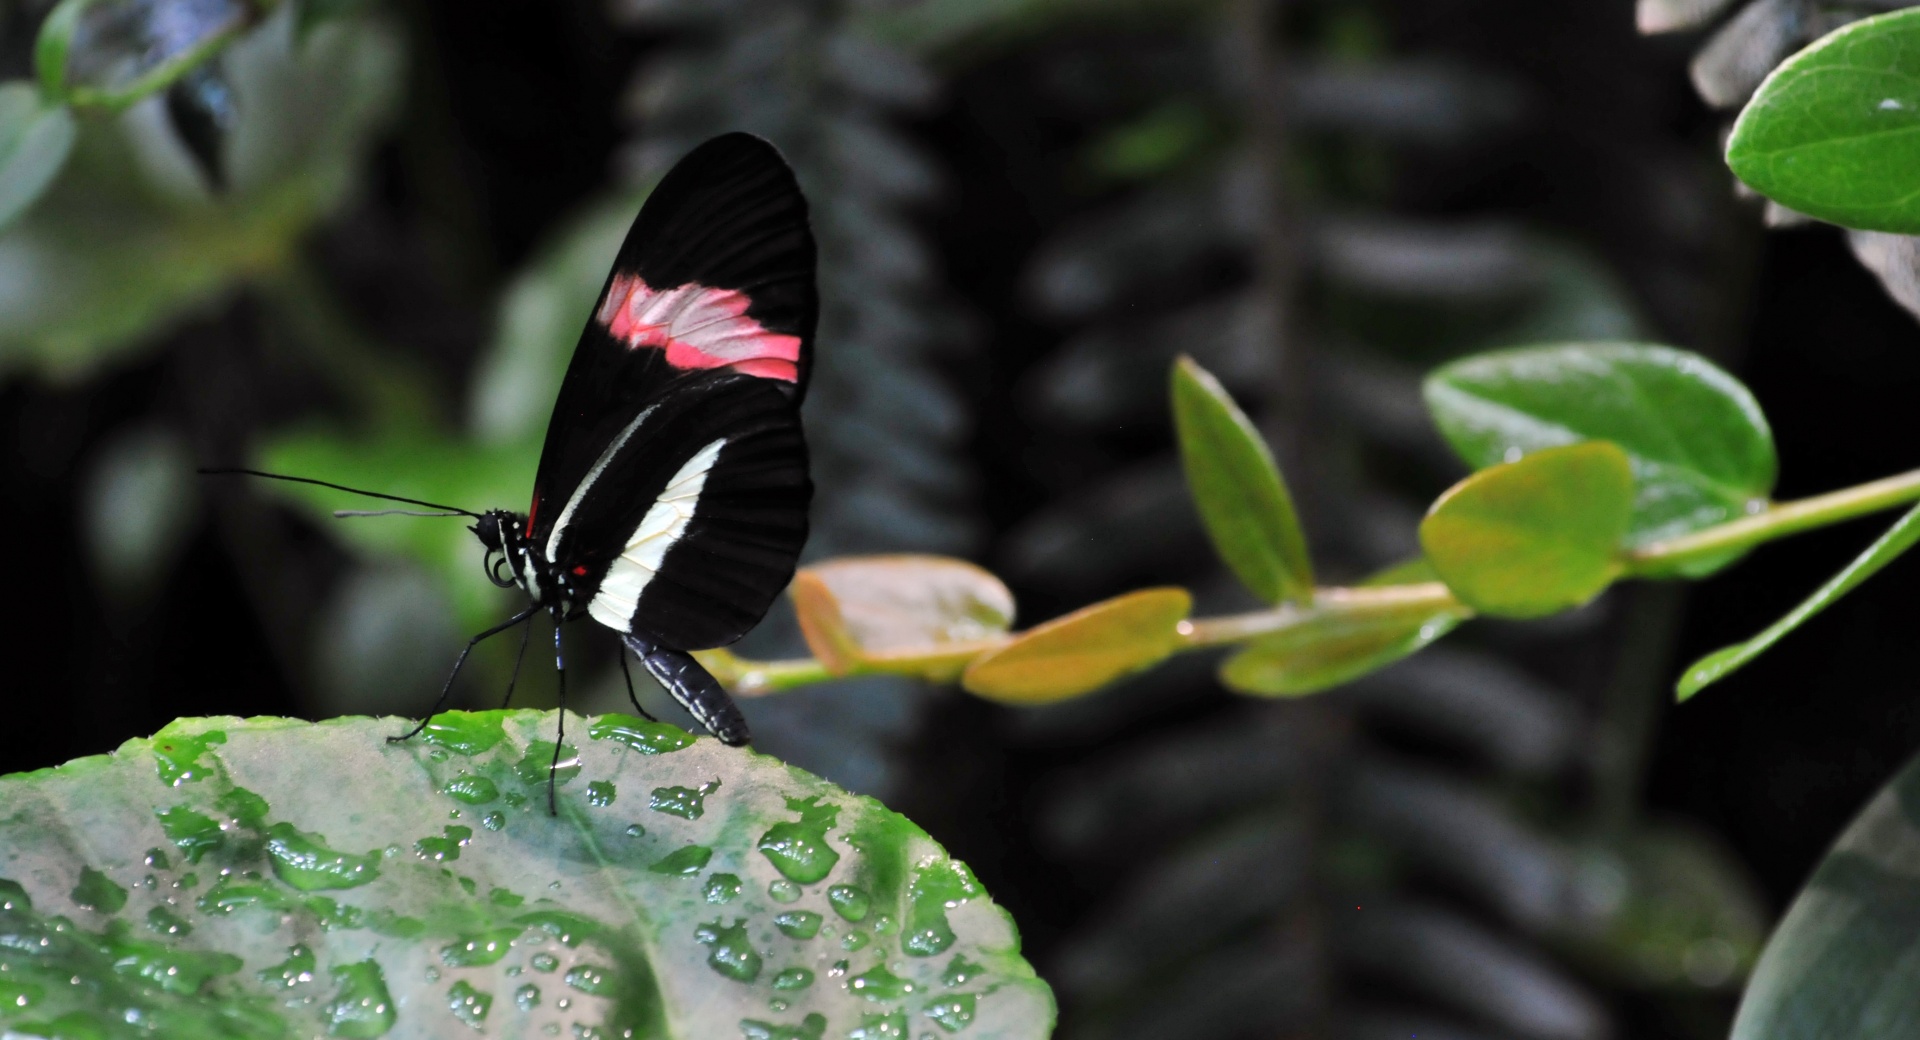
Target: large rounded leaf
[273, 878]
[1701, 450]
[1528, 538]
[1844, 964]
[932, 612]
[1834, 132]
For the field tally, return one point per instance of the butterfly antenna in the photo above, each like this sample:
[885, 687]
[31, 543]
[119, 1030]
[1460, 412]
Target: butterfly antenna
[342, 514]
[450, 510]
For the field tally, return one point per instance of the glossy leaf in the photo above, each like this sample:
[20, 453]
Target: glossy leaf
[1726, 660]
[213, 882]
[1845, 960]
[822, 624]
[1529, 538]
[1701, 450]
[1084, 650]
[34, 141]
[904, 607]
[1238, 489]
[1329, 650]
[1834, 132]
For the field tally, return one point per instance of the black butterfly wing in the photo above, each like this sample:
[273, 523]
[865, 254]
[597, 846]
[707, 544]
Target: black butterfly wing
[691, 522]
[716, 276]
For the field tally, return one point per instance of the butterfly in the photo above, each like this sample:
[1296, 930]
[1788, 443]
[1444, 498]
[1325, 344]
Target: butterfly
[670, 501]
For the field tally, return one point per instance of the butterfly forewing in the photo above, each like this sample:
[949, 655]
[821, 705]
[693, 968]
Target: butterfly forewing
[690, 525]
[716, 276]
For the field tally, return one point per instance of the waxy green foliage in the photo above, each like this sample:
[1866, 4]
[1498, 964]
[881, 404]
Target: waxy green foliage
[1084, 650]
[1536, 536]
[34, 141]
[1724, 661]
[1238, 489]
[1844, 963]
[271, 878]
[1834, 132]
[1330, 649]
[1701, 450]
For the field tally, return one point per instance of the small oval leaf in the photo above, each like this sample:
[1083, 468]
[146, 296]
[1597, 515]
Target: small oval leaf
[1834, 132]
[1238, 489]
[908, 602]
[1084, 650]
[1724, 661]
[822, 625]
[34, 141]
[1701, 450]
[1533, 537]
[424, 903]
[1327, 651]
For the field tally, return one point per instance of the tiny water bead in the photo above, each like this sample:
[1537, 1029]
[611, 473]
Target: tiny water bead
[361, 1007]
[688, 803]
[601, 793]
[683, 862]
[731, 954]
[527, 997]
[648, 738]
[493, 821]
[469, 1005]
[473, 790]
[183, 758]
[722, 888]
[961, 971]
[484, 948]
[879, 985]
[854, 940]
[304, 861]
[792, 979]
[157, 858]
[590, 979]
[545, 962]
[952, 1013]
[445, 848]
[798, 849]
[634, 830]
[849, 902]
[96, 891]
[538, 763]
[781, 891]
[296, 969]
[798, 924]
[465, 733]
[776, 1005]
[166, 922]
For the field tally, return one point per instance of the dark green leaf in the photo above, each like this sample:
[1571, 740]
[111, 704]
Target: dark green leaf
[1528, 538]
[271, 878]
[34, 141]
[1084, 650]
[1701, 450]
[1834, 132]
[1724, 661]
[1238, 489]
[1844, 963]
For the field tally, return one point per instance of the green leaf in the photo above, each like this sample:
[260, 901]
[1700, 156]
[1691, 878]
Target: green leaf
[127, 238]
[1238, 489]
[1326, 651]
[1533, 537]
[1701, 450]
[272, 878]
[1834, 132]
[1082, 651]
[1726, 660]
[34, 142]
[867, 610]
[1845, 960]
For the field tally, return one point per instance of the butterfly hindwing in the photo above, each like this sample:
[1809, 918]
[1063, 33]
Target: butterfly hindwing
[716, 276]
[690, 523]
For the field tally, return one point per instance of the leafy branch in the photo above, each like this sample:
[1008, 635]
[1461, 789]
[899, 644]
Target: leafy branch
[1596, 462]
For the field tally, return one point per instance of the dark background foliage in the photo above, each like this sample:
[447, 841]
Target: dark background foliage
[1572, 134]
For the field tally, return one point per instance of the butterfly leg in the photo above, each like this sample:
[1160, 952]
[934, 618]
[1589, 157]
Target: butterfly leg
[447, 689]
[696, 690]
[560, 738]
[518, 657]
[628, 676]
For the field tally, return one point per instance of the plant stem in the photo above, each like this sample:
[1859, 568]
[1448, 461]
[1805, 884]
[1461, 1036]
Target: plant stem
[1777, 521]
[1363, 603]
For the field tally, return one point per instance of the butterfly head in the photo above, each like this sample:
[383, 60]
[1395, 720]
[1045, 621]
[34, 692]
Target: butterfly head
[501, 532]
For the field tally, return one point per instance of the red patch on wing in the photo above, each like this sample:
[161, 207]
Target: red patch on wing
[698, 327]
[580, 571]
[533, 511]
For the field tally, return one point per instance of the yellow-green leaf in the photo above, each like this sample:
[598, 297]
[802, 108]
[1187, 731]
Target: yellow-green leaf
[1326, 651]
[822, 625]
[908, 602]
[1238, 489]
[1084, 650]
[1536, 536]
